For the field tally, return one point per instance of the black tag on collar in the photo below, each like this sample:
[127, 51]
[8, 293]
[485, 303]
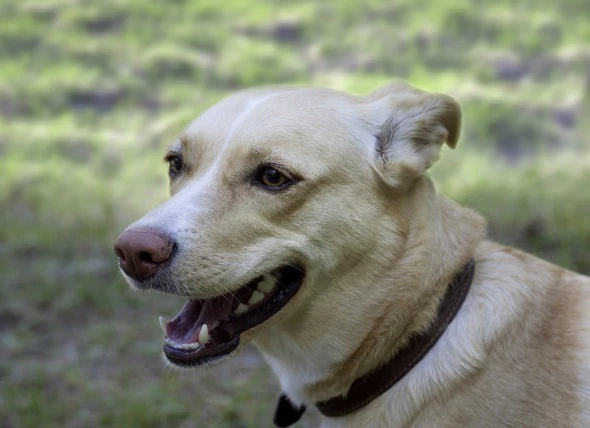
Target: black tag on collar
[286, 414]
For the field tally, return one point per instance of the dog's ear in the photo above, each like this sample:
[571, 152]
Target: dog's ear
[410, 126]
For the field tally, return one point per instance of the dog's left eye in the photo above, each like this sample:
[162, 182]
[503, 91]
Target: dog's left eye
[273, 177]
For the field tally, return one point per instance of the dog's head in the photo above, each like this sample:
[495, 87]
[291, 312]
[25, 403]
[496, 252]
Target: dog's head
[276, 196]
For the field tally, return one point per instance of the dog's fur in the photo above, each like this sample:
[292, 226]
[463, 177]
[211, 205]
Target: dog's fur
[379, 245]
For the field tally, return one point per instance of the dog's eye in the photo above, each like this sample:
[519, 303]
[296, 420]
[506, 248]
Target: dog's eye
[175, 165]
[273, 177]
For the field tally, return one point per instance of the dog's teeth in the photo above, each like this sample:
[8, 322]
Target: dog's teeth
[267, 284]
[241, 309]
[256, 297]
[204, 334]
[178, 345]
[163, 325]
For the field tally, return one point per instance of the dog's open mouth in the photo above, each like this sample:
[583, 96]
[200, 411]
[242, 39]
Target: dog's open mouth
[205, 330]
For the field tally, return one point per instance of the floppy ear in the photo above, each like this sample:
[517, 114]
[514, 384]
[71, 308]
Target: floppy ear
[410, 127]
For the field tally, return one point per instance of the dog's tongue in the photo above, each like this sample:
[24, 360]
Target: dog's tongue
[186, 326]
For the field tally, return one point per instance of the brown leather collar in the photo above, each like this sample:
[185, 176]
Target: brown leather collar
[370, 386]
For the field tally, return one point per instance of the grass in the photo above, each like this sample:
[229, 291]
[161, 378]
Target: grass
[92, 92]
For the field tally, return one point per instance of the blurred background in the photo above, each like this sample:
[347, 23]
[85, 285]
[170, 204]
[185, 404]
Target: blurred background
[91, 93]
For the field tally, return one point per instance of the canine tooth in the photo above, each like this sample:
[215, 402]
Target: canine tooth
[163, 325]
[204, 334]
[256, 297]
[241, 309]
[267, 284]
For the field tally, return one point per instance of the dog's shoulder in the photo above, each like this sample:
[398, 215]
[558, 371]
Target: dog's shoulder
[549, 333]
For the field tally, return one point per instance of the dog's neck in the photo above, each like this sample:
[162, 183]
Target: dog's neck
[441, 237]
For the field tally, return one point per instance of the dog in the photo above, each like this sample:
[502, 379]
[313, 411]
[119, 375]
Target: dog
[303, 221]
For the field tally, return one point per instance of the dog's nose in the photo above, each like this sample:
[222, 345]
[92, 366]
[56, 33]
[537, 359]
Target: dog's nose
[142, 252]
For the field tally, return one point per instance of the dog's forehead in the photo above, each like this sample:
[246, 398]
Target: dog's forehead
[284, 119]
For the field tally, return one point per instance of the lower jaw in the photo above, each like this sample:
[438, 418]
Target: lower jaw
[226, 337]
[183, 358]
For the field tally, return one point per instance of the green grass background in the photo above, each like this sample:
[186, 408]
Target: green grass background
[91, 92]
